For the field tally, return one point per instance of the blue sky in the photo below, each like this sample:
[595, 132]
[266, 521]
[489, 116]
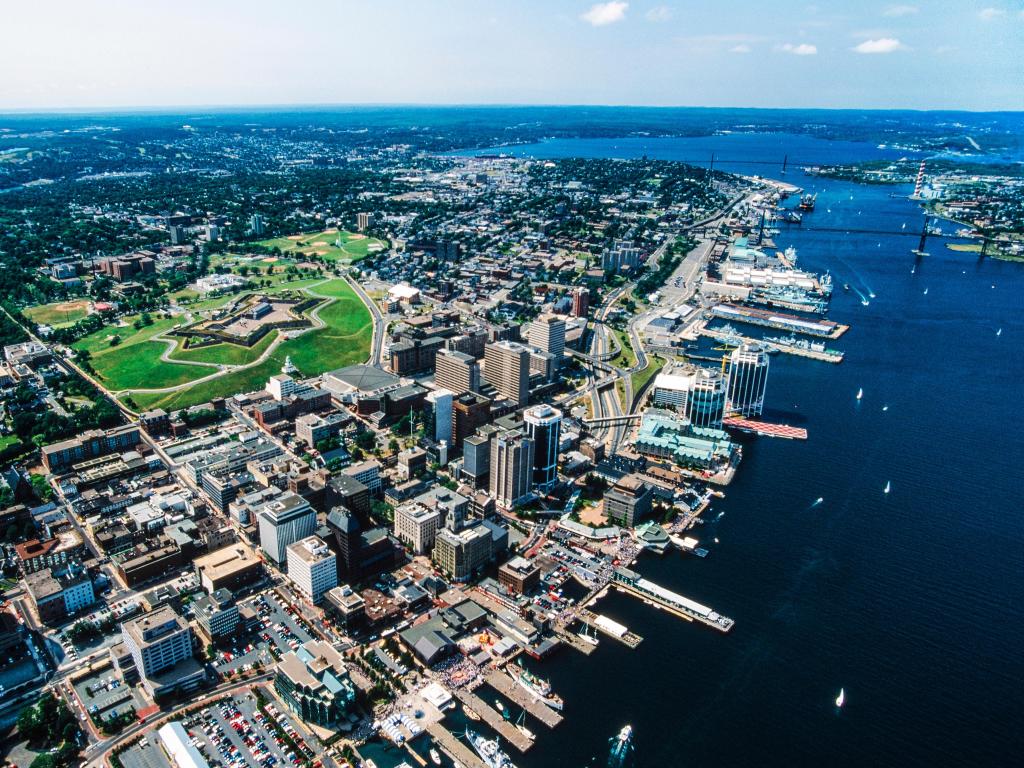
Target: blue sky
[921, 54]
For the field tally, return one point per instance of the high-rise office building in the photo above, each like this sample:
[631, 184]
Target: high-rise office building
[312, 567]
[476, 457]
[469, 412]
[547, 333]
[507, 369]
[705, 406]
[284, 521]
[457, 372]
[580, 301]
[544, 428]
[511, 468]
[160, 643]
[441, 405]
[748, 376]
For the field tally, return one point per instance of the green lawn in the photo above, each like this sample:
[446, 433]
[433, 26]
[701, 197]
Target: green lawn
[331, 245]
[345, 340]
[59, 313]
[225, 354]
[627, 357]
[640, 378]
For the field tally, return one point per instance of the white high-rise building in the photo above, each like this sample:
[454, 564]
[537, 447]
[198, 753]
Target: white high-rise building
[283, 521]
[441, 400]
[705, 405]
[507, 368]
[544, 428]
[672, 390]
[416, 526]
[312, 567]
[748, 377]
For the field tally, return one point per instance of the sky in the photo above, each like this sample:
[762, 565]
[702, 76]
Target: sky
[918, 54]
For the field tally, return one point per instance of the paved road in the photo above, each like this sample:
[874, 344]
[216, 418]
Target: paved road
[377, 347]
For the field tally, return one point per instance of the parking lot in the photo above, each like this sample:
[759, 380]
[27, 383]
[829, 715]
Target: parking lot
[104, 695]
[280, 632]
[232, 733]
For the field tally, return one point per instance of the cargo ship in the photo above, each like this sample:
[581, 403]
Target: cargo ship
[541, 689]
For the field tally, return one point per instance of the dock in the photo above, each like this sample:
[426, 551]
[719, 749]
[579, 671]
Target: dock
[824, 356]
[573, 640]
[765, 428]
[633, 583]
[487, 713]
[823, 327]
[508, 687]
[609, 628]
[452, 746]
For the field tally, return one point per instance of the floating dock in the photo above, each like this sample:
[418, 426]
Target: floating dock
[825, 356]
[764, 428]
[487, 713]
[505, 685]
[633, 583]
[823, 328]
[452, 746]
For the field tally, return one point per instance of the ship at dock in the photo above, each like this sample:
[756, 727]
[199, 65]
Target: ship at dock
[489, 751]
[539, 688]
[807, 202]
[792, 342]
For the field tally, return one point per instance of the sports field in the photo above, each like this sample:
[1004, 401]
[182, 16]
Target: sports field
[330, 245]
[343, 340]
[59, 313]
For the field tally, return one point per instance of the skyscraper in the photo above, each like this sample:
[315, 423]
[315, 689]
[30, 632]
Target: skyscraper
[507, 368]
[544, 427]
[441, 400]
[284, 521]
[748, 376]
[705, 406]
[457, 372]
[511, 468]
[469, 411]
[547, 333]
[580, 301]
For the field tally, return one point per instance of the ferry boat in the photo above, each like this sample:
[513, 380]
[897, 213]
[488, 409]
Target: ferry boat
[489, 751]
[621, 748]
[541, 689]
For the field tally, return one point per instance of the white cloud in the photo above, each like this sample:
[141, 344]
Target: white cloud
[881, 45]
[987, 14]
[601, 14]
[741, 48]
[803, 49]
[894, 11]
[659, 13]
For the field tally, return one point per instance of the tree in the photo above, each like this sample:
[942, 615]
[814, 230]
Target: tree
[115, 340]
[41, 487]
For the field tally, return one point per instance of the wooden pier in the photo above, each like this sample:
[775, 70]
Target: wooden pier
[505, 685]
[630, 639]
[454, 747]
[573, 640]
[487, 713]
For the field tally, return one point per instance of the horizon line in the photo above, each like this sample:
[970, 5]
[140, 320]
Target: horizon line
[306, 106]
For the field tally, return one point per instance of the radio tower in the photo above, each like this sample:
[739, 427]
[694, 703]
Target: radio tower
[918, 183]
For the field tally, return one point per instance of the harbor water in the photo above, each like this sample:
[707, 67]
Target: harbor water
[911, 600]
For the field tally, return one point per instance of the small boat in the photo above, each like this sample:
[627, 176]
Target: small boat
[846, 286]
[470, 713]
[871, 294]
[925, 291]
[526, 732]
[435, 757]
[841, 698]
[888, 487]
[860, 393]
[716, 539]
[865, 302]
[885, 407]
[999, 332]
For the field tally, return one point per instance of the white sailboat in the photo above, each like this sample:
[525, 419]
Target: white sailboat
[925, 291]
[888, 487]
[860, 393]
[841, 698]
[999, 332]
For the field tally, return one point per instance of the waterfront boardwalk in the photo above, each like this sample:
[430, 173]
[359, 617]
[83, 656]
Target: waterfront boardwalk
[504, 684]
[487, 713]
[454, 747]
[633, 583]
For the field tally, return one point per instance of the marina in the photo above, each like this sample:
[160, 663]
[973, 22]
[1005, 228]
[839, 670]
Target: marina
[454, 747]
[508, 687]
[493, 718]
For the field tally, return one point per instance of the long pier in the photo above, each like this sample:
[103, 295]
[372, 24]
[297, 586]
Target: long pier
[825, 356]
[765, 428]
[505, 685]
[508, 731]
[823, 327]
[453, 747]
[631, 582]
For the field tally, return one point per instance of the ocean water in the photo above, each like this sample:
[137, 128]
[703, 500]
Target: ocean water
[911, 601]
